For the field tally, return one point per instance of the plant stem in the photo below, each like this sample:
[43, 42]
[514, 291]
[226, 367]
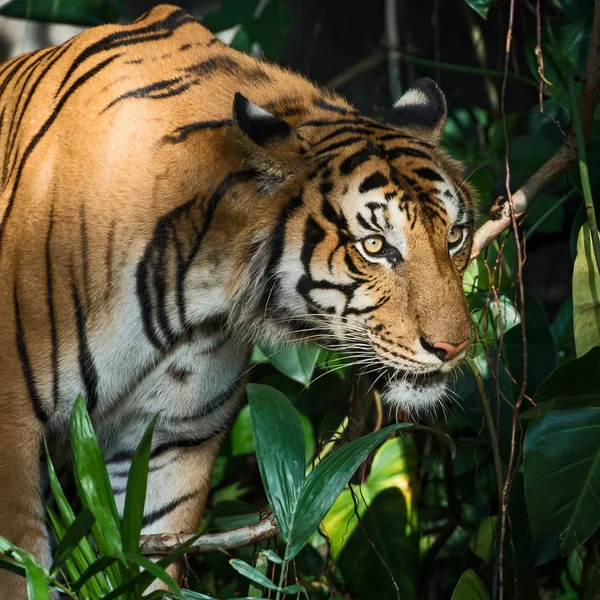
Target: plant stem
[489, 422]
[583, 170]
[281, 578]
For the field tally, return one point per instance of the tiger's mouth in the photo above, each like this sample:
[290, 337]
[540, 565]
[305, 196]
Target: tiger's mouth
[414, 393]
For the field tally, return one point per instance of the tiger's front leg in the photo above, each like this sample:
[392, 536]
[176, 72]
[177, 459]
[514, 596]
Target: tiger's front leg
[178, 485]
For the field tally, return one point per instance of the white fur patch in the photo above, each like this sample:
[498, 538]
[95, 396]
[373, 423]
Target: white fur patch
[412, 97]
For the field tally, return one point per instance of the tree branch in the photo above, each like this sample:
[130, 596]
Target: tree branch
[523, 197]
[165, 543]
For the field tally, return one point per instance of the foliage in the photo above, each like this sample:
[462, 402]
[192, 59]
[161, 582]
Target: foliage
[412, 521]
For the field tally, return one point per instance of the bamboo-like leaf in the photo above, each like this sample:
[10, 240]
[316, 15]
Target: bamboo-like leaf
[102, 564]
[80, 527]
[135, 498]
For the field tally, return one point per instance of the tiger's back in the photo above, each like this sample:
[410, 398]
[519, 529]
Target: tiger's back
[147, 232]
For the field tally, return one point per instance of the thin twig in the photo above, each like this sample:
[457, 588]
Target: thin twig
[165, 543]
[491, 427]
[521, 199]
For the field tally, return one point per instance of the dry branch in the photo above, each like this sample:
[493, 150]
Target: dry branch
[523, 197]
[165, 543]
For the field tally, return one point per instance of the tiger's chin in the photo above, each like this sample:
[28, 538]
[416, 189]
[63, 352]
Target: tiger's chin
[416, 395]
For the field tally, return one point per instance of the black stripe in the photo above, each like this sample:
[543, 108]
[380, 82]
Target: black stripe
[25, 363]
[130, 37]
[428, 174]
[320, 103]
[365, 223]
[394, 153]
[51, 314]
[373, 181]
[314, 234]
[159, 513]
[271, 291]
[181, 133]
[341, 144]
[355, 160]
[87, 368]
[341, 131]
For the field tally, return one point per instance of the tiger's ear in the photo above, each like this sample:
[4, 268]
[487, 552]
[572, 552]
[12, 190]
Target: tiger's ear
[272, 144]
[422, 109]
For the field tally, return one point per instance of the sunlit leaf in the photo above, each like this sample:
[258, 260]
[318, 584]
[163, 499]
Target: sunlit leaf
[586, 294]
[481, 7]
[469, 587]
[297, 362]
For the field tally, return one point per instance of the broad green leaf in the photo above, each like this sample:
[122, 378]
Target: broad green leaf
[586, 294]
[71, 538]
[242, 441]
[575, 383]
[470, 587]
[297, 361]
[481, 7]
[156, 570]
[76, 12]
[562, 475]
[133, 512]
[325, 483]
[387, 526]
[483, 539]
[280, 450]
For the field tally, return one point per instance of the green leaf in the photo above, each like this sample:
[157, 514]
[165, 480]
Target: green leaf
[586, 294]
[483, 539]
[84, 554]
[325, 483]
[95, 568]
[38, 586]
[135, 499]
[253, 574]
[575, 383]
[280, 450]
[13, 567]
[481, 7]
[93, 485]
[562, 475]
[76, 12]
[387, 524]
[70, 540]
[297, 362]
[156, 570]
[469, 587]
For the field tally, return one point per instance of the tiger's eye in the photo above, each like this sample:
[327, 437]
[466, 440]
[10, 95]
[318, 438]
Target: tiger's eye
[373, 245]
[454, 236]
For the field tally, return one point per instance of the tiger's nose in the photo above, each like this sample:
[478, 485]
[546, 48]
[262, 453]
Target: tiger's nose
[443, 350]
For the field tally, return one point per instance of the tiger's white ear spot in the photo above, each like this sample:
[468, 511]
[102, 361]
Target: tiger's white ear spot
[414, 97]
[257, 124]
[421, 109]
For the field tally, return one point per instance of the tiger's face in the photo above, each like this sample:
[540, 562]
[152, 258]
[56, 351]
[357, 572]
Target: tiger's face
[377, 238]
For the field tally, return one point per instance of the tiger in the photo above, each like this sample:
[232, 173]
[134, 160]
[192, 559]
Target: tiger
[166, 202]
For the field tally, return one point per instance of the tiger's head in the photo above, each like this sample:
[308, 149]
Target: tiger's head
[373, 239]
